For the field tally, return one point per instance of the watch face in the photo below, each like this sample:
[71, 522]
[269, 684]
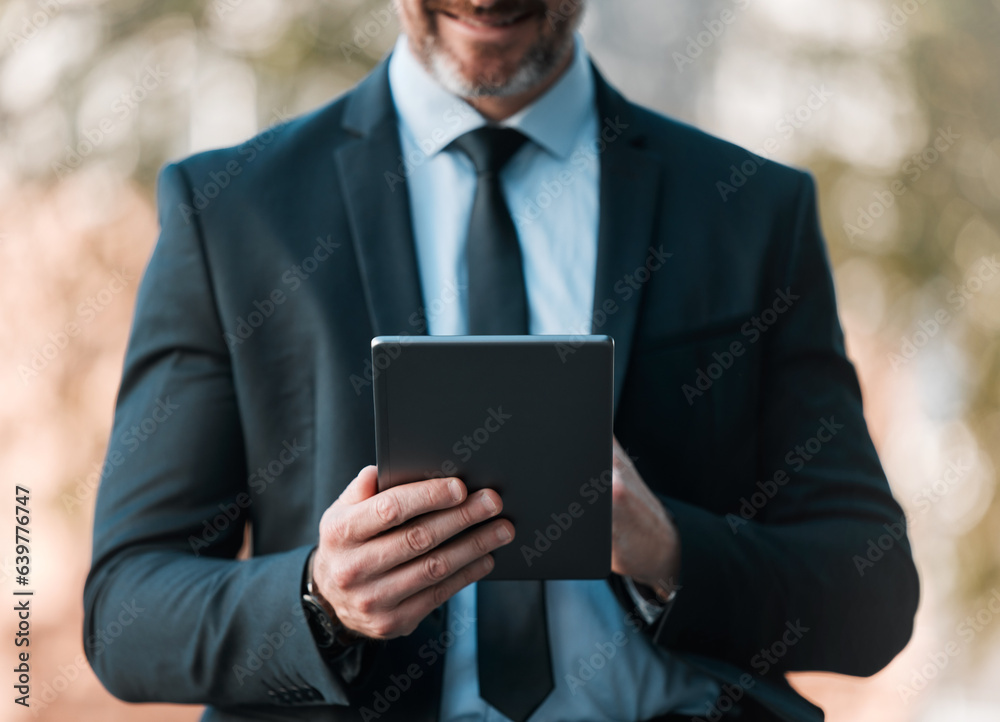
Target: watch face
[319, 621]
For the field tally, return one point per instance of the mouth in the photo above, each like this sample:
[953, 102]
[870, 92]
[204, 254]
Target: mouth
[487, 26]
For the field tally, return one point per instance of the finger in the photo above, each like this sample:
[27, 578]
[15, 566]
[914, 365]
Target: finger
[399, 504]
[620, 457]
[434, 567]
[619, 485]
[622, 464]
[429, 531]
[422, 603]
[364, 486]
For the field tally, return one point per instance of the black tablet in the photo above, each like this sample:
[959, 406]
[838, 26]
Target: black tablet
[528, 416]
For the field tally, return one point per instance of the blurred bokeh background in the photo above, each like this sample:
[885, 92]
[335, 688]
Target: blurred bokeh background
[894, 105]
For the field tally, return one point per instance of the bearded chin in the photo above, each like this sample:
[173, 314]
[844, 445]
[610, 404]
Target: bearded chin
[536, 67]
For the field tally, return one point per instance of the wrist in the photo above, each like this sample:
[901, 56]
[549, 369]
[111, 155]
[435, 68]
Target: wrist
[310, 587]
[661, 582]
[328, 631]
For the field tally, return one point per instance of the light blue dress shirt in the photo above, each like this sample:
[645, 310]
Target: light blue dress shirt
[604, 667]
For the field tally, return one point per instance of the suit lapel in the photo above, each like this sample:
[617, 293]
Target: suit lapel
[629, 187]
[378, 208]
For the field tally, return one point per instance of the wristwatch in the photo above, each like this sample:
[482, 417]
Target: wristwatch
[328, 631]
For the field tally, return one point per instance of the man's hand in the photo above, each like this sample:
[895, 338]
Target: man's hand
[644, 541]
[383, 562]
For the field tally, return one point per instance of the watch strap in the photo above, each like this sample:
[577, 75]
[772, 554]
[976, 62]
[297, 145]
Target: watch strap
[329, 632]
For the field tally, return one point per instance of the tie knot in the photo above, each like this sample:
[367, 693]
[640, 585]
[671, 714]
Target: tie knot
[490, 148]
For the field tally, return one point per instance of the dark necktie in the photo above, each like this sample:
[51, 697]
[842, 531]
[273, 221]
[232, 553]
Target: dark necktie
[515, 669]
[498, 302]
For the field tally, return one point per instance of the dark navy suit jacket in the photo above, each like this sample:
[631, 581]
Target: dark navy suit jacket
[277, 263]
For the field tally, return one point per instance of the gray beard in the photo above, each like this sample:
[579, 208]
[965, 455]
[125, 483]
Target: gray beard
[536, 67]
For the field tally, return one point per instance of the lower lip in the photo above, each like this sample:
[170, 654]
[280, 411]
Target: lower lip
[488, 33]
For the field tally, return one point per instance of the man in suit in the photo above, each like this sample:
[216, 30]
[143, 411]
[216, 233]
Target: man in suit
[486, 177]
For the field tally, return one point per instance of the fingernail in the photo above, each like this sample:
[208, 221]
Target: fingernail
[456, 489]
[491, 506]
[503, 534]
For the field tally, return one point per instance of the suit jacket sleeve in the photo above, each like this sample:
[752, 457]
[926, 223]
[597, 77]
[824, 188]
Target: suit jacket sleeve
[197, 626]
[747, 579]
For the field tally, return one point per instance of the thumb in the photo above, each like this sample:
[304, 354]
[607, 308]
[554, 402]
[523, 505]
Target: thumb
[620, 459]
[364, 486]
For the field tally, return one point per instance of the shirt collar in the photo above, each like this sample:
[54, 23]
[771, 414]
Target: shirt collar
[432, 117]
